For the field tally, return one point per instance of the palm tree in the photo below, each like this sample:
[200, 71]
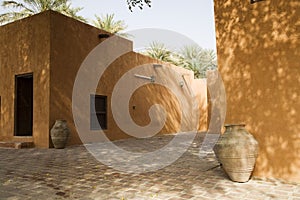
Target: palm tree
[198, 60]
[191, 57]
[159, 51]
[109, 24]
[24, 8]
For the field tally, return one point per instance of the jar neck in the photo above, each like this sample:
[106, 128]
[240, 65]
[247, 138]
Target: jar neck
[230, 127]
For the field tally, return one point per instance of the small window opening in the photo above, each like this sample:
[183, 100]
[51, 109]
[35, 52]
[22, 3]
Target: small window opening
[98, 112]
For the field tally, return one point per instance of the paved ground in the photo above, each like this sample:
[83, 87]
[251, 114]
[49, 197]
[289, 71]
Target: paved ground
[72, 173]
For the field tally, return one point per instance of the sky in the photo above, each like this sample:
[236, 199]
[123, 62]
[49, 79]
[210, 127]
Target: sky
[175, 21]
[193, 19]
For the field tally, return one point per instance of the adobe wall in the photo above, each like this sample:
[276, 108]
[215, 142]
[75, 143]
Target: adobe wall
[146, 96]
[24, 49]
[258, 57]
[68, 50]
[52, 48]
[199, 88]
[71, 42]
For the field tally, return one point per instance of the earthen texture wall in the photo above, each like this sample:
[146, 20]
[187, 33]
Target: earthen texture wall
[258, 57]
[68, 51]
[53, 47]
[25, 48]
[71, 42]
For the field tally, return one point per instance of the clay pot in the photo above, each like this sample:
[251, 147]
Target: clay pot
[237, 151]
[59, 134]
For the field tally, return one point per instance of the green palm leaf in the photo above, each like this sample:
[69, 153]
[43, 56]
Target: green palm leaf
[198, 60]
[109, 24]
[20, 9]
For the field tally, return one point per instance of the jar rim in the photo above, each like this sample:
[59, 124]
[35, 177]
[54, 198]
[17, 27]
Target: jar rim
[233, 125]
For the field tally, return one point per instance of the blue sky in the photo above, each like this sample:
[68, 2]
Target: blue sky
[191, 18]
[194, 19]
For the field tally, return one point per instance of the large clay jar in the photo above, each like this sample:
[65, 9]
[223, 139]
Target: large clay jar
[237, 151]
[59, 134]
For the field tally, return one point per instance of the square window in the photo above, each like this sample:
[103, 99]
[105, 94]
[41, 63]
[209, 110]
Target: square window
[98, 112]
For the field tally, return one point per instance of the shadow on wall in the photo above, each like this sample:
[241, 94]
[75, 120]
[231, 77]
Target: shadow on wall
[258, 57]
[68, 51]
[180, 118]
[142, 101]
[148, 95]
[20, 55]
[216, 100]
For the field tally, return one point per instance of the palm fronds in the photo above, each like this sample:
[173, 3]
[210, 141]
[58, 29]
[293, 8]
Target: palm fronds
[108, 23]
[20, 9]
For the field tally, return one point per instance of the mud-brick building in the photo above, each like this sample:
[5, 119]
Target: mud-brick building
[258, 51]
[39, 60]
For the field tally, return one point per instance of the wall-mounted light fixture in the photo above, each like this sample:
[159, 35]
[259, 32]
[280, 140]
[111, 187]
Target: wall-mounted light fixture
[103, 35]
[151, 78]
[181, 83]
[185, 82]
[255, 1]
[157, 65]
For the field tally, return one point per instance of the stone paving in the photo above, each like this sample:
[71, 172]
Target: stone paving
[73, 173]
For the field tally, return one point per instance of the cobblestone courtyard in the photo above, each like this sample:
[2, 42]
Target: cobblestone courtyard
[73, 173]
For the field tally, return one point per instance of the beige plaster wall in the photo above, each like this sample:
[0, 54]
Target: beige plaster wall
[53, 47]
[71, 42]
[24, 49]
[69, 49]
[258, 57]
[199, 88]
[146, 96]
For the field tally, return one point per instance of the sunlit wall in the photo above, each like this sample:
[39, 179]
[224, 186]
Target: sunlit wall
[258, 57]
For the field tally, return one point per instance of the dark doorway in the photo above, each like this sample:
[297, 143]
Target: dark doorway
[98, 106]
[24, 105]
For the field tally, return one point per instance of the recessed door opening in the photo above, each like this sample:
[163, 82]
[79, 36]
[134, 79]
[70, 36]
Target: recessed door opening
[23, 105]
